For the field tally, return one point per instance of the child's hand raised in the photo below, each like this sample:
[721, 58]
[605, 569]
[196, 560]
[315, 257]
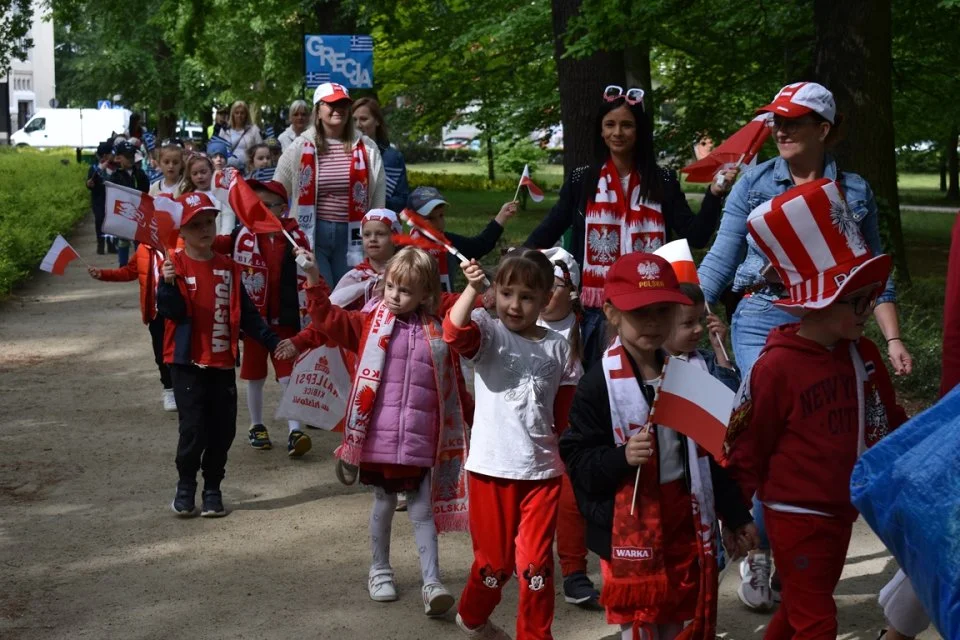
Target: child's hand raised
[507, 211]
[717, 328]
[639, 448]
[94, 272]
[476, 278]
[308, 263]
[168, 272]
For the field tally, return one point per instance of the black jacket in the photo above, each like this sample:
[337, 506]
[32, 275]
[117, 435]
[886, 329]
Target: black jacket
[678, 218]
[136, 179]
[170, 304]
[289, 292]
[98, 193]
[473, 248]
[598, 467]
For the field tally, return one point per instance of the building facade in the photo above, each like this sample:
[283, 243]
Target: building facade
[30, 84]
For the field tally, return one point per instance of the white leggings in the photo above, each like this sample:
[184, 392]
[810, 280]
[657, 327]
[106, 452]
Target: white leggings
[420, 511]
[901, 607]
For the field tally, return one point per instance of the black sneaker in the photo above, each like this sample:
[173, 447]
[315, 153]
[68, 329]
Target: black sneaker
[298, 443]
[259, 438]
[579, 590]
[185, 502]
[212, 504]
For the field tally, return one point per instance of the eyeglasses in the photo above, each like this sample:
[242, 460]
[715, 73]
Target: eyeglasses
[634, 95]
[862, 303]
[788, 125]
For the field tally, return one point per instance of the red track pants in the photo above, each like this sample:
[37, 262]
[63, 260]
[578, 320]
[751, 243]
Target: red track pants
[809, 552]
[512, 525]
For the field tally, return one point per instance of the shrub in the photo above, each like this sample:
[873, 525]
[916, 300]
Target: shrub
[460, 182]
[510, 156]
[419, 154]
[42, 193]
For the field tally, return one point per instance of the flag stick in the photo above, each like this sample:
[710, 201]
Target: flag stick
[290, 238]
[717, 335]
[646, 429]
[721, 180]
[517, 194]
[79, 257]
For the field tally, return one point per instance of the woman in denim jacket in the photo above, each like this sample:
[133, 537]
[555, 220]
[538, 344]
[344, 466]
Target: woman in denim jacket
[805, 124]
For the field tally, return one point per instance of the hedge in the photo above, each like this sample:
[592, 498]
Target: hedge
[42, 193]
[471, 182]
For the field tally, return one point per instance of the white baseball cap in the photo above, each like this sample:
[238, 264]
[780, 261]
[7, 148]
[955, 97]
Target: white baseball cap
[560, 255]
[330, 92]
[801, 98]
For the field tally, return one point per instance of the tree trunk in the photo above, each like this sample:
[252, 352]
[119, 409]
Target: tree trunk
[636, 62]
[167, 104]
[491, 175]
[853, 59]
[581, 83]
[953, 166]
[943, 169]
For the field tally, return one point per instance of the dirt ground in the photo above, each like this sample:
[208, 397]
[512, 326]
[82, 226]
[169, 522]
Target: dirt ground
[90, 549]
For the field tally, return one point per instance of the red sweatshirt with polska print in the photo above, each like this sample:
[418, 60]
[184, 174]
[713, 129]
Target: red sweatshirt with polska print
[794, 437]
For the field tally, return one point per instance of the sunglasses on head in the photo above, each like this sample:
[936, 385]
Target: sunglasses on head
[172, 142]
[634, 95]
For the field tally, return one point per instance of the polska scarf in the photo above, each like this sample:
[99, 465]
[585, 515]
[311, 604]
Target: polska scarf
[247, 254]
[358, 284]
[359, 197]
[614, 229]
[638, 574]
[449, 487]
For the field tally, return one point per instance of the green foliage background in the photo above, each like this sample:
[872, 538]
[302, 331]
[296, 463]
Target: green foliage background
[41, 194]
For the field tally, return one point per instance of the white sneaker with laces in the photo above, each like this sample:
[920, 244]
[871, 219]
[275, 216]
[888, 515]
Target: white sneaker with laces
[169, 402]
[754, 590]
[381, 587]
[436, 599]
[489, 631]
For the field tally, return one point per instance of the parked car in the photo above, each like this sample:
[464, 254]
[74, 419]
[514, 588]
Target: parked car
[76, 128]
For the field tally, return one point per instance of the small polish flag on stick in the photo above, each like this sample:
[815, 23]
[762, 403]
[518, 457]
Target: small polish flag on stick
[536, 194]
[678, 254]
[694, 403]
[137, 216]
[59, 256]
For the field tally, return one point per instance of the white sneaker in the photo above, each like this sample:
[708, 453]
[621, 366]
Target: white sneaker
[754, 590]
[489, 631]
[169, 402]
[381, 587]
[436, 599]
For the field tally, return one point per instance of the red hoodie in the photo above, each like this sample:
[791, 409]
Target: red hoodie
[793, 440]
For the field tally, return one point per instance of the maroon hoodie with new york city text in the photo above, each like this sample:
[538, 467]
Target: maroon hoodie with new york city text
[793, 438]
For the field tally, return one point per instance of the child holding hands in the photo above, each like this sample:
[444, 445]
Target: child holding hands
[524, 379]
[405, 426]
[658, 559]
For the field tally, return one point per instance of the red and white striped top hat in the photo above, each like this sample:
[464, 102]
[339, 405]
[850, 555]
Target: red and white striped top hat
[814, 243]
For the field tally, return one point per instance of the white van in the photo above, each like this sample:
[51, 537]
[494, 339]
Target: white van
[76, 128]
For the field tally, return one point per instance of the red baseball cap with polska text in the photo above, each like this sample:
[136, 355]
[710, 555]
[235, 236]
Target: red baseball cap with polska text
[639, 280]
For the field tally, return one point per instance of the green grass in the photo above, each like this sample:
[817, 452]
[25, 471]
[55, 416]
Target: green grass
[922, 189]
[42, 193]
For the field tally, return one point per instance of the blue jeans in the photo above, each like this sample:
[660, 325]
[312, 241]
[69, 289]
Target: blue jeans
[330, 247]
[593, 336]
[753, 320]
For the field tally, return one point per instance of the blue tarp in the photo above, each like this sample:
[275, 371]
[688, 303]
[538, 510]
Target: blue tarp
[907, 488]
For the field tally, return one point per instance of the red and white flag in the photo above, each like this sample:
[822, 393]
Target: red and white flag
[250, 209]
[423, 227]
[134, 215]
[536, 193]
[739, 149]
[694, 403]
[58, 257]
[678, 254]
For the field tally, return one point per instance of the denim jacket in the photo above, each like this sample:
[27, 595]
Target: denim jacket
[734, 254]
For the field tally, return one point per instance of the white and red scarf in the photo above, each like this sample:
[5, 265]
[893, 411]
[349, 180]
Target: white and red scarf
[359, 197]
[247, 254]
[613, 229]
[449, 486]
[638, 574]
[356, 285]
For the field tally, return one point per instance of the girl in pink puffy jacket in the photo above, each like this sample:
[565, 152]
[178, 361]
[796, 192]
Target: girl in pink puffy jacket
[405, 429]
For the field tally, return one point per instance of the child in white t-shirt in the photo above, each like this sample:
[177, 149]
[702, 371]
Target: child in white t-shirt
[524, 382]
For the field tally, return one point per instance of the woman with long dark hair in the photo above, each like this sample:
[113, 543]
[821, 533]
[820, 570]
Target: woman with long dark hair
[620, 204]
[368, 118]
